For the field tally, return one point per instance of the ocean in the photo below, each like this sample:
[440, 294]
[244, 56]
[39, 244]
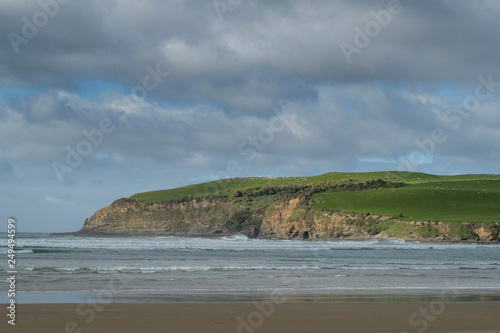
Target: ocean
[176, 269]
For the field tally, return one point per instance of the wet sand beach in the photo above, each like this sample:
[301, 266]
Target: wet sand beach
[256, 317]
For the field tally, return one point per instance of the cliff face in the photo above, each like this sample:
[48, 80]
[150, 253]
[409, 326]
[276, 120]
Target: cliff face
[286, 219]
[128, 217]
[290, 221]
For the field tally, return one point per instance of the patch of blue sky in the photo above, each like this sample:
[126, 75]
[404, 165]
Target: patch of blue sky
[443, 90]
[178, 104]
[16, 92]
[417, 157]
[91, 90]
[451, 92]
[101, 156]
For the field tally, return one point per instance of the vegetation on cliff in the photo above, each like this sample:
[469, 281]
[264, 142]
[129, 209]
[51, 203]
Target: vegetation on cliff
[333, 205]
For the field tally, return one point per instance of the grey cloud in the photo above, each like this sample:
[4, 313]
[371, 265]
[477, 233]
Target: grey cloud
[294, 43]
[226, 79]
[6, 169]
[46, 109]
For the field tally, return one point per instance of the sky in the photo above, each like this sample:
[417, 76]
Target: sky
[102, 99]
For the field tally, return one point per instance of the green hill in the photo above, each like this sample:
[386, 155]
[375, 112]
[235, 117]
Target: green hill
[335, 205]
[448, 201]
[462, 198]
[227, 186]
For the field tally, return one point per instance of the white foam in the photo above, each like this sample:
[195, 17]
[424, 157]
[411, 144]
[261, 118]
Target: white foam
[159, 243]
[237, 237]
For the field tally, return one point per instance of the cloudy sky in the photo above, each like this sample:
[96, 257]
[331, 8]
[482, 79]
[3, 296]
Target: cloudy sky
[101, 99]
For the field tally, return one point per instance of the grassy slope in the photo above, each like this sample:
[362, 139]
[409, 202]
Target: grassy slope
[463, 198]
[228, 186]
[451, 201]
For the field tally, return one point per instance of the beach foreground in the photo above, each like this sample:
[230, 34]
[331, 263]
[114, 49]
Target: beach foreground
[256, 317]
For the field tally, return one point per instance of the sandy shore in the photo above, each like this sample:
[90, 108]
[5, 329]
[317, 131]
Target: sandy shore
[248, 317]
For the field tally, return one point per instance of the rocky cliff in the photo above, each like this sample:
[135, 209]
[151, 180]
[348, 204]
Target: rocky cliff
[128, 217]
[279, 219]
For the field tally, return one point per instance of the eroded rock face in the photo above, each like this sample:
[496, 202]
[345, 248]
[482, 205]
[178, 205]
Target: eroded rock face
[275, 225]
[132, 218]
[281, 220]
[487, 235]
[278, 224]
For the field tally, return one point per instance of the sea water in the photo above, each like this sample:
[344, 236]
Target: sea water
[55, 269]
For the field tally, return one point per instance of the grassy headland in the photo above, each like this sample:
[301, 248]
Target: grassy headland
[462, 198]
[333, 205]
